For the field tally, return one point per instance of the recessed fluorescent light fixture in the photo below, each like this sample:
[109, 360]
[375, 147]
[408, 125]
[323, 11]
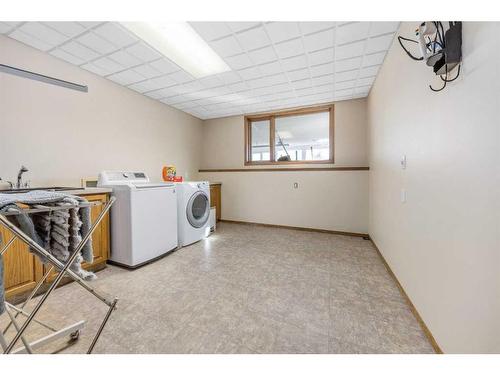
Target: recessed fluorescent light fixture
[180, 43]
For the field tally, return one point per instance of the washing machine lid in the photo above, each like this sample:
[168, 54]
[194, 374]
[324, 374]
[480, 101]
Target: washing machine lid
[198, 209]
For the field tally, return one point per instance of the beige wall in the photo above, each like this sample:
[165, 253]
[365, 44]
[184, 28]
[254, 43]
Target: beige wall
[443, 244]
[63, 135]
[323, 200]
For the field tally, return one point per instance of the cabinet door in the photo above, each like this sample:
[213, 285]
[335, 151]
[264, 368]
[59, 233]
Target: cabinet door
[22, 270]
[215, 199]
[100, 237]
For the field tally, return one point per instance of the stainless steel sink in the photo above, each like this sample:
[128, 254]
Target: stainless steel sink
[51, 188]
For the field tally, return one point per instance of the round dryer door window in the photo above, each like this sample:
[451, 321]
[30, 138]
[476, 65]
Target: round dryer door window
[198, 209]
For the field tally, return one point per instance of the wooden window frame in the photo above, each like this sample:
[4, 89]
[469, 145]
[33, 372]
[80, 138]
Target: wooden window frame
[272, 117]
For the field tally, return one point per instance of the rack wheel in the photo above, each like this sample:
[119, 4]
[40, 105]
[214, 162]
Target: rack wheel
[74, 335]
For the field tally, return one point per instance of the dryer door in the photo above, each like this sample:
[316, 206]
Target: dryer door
[198, 209]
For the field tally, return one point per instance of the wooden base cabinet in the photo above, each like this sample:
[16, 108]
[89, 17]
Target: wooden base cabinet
[22, 270]
[215, 199]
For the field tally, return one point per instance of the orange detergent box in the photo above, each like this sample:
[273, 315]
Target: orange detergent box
[169, 173]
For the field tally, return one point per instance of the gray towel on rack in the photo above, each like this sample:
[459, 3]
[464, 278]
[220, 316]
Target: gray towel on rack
[60, 232]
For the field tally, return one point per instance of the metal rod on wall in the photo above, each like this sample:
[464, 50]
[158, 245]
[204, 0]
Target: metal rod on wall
[42, 78]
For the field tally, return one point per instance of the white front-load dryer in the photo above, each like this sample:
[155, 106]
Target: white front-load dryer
[193, 211]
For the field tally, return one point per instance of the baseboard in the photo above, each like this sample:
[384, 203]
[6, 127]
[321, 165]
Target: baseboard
[363, 235]
[424, 327]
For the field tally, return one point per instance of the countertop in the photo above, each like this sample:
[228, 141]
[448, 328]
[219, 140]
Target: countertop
[88, 191]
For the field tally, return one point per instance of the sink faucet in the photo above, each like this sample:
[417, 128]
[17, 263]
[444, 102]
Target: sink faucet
[19, 184]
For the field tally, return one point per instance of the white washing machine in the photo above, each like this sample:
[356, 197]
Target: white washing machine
[193, 211]
[143, 218]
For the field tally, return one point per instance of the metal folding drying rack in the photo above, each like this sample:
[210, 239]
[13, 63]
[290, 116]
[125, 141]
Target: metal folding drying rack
[64, 269]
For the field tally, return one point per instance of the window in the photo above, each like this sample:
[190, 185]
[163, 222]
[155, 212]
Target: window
[290, 137]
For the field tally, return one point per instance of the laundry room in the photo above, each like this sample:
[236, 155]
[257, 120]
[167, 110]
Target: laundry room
[231, 184]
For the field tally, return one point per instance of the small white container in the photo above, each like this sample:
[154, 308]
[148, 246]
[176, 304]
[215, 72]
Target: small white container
[212, 220]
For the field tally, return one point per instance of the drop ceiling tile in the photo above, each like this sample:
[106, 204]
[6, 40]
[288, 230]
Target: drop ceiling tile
[263, 55]
[70, 29]
[297, 75]
[125, 59]
[324, 97]
[321, 57]
[305, 91]
[181, 76]
[108, 65]
[211, 81]
[295, 63]
[320, 40]
[239, 61]
[352, 32]
[211, 30]
[29, 40]
[168, 92]
[227, 46]
[281, 31]
[142, 86]
[323, 80]
[378, 28]
[239, 26]
[345, 85]
[346, 76]
[321, 70]
[312, 27]
[368, 81]
[301, 83]
[381, 43]
[329, 87]
[249, 73]
[152, 94]
[66, 56]
[96, 43]
[126, 77]
[190, 87]
[362, 90]
[147, 71]
[90, 24]
[253, 39]
[267, 81]
[350, 50]
[374, 59]
[161, 82]
[238, 87]
[43, 33]
[348, 64]
[80, 51]
[270, 68]
[369, 72]
[5, 27]
[115, 34]
[289, 48]
[143, 52]
[91, 67]
[229, 77]
[164, 66]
